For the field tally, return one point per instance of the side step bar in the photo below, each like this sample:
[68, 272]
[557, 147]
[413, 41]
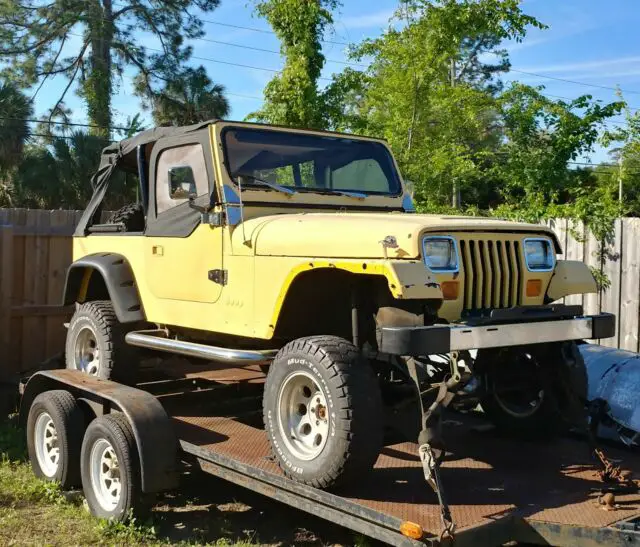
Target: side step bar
[156, 340]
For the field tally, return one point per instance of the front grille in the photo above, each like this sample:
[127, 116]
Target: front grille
[492, 273]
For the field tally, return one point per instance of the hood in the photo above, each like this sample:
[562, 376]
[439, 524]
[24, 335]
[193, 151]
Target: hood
[359, 235]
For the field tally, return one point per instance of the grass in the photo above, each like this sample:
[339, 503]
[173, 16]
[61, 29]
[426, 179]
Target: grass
[35, 512]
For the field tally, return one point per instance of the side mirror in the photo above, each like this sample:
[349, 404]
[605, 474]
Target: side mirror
[206, 216]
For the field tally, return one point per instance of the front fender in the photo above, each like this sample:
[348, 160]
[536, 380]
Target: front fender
[570, 277]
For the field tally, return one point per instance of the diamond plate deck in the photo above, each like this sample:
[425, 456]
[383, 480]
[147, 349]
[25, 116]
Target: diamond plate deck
[486, 477]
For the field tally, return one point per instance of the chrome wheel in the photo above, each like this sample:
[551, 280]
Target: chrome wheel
[47, 445]
[87, 353]
[303, 415]
[105, 474]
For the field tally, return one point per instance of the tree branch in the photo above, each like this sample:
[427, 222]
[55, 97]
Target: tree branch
[71, 80]
[55, 60]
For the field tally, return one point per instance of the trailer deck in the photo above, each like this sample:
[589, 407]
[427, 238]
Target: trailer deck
[499, 490]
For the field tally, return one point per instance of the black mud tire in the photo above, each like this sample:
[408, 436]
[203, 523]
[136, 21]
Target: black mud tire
[117, 432]
[116, 359]
[61, 409]
[131, 216]
[560, 379]
[353, 404]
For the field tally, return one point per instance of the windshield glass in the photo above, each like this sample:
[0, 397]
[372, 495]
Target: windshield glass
[310, 163]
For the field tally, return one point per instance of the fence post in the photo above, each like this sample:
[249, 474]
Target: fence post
[7, 361]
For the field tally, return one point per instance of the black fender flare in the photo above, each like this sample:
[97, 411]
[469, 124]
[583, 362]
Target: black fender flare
[155, 437]
[118, 278]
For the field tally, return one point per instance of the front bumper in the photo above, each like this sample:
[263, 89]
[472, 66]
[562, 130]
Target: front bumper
[453, 337]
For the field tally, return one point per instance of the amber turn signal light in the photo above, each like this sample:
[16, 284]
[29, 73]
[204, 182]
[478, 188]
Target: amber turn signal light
[411, 530]
[534, 287]
[449, 290]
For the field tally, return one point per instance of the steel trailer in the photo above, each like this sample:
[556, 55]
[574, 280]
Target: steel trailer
[499, 489]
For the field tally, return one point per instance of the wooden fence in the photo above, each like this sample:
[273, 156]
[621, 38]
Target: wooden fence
[621, 266]
[35, 251]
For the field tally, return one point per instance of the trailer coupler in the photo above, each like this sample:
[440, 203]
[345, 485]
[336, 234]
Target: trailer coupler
[430, 443]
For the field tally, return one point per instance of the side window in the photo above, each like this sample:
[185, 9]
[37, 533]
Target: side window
[181, 173]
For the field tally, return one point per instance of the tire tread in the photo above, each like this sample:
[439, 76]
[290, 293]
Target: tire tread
[358, 389]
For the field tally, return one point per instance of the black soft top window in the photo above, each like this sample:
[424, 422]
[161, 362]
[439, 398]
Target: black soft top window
[309, 163]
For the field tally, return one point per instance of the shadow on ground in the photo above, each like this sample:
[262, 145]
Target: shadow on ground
[207, 509]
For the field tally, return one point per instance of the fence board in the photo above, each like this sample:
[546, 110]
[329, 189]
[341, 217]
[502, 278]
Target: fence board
[613, 270]
[591, 301]
[575, 251]
[7, 364]
[630, 290]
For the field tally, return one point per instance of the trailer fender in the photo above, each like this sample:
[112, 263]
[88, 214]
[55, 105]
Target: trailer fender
[153, 430]
[118, 278]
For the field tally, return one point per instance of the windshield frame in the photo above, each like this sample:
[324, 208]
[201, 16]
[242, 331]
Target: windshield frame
[301, 190]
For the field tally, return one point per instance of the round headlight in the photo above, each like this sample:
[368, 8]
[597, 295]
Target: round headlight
[440, 253]
[539, 255]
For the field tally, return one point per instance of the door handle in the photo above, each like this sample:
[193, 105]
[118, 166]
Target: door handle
[157, 250]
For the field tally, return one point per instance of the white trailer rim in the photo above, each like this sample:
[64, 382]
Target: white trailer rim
[47, 445]
[105, 474]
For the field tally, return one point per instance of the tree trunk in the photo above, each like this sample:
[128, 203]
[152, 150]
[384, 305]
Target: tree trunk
[97, 86]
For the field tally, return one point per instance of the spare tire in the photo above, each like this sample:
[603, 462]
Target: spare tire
[131, 216]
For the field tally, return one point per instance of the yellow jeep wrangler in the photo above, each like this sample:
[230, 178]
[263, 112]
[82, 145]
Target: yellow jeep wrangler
[301, 251]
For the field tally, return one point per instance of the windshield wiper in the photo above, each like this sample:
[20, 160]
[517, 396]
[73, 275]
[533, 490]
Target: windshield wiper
[347, 193]
[263, 182]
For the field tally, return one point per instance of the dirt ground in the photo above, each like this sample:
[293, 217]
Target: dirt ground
[205, 509]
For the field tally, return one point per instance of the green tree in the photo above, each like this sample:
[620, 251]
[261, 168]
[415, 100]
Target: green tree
[292, 97]
[38, 41]
[624, 178]
[57, 174]
[429, 94]
[15, 110]
[541, 136]
[189, 98]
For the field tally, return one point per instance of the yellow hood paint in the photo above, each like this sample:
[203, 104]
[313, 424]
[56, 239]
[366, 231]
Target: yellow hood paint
[357, 235]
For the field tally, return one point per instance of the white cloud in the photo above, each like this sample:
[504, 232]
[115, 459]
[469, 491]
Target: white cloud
[375, 19]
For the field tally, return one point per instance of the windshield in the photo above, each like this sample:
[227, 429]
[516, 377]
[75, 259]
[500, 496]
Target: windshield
[309, 163]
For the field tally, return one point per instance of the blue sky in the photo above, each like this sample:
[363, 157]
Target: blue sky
[590, 41]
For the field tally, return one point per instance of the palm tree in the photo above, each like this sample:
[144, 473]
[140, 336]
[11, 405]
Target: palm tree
[15, 110]
[190, 98]
[58, 175]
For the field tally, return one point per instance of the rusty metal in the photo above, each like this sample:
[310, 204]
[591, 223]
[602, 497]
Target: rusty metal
[612, 473]
[608, 501]
[489, 478]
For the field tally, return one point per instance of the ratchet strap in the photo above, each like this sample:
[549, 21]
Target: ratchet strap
[431, 446]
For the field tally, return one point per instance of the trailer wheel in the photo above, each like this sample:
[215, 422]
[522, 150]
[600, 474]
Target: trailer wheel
[110, 468]
[54, 436]
[322, 411]
[95, 343]
[520, 391]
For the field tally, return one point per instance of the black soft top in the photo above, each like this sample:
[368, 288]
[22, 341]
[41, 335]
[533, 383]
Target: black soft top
[123, 155]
